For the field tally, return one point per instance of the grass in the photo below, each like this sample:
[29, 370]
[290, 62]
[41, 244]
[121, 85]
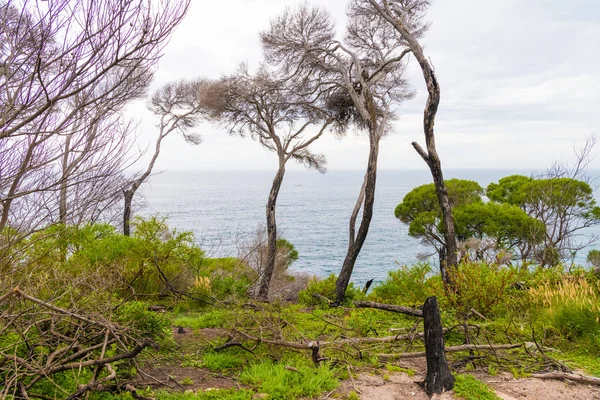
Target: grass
[213, 318]
[281, 383]
[470, 388]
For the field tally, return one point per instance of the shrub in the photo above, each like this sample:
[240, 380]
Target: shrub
[572, 307]
[145, 323]
[326, 287]
[409, 286]
[487, 288]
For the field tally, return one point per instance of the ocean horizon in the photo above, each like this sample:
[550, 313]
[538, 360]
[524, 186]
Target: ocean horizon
[225, 208]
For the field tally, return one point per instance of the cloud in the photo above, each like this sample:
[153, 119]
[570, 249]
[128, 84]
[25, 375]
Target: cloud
[520, 84]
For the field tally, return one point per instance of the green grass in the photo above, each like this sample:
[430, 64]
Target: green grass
[285, 384]
[215, 318]
[470, 388]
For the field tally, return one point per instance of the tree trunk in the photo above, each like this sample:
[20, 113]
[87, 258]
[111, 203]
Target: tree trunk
[355, 245]
[128, 196]
[395, 15]
[438, 379]
[263, 292]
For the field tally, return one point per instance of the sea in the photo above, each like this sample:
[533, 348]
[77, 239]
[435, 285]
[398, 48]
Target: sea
[225, 209]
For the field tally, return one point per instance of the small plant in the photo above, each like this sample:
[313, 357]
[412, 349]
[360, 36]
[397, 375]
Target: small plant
[187, 381]
[470, 388]
[282, 383]
[395, 368]
[353, 396]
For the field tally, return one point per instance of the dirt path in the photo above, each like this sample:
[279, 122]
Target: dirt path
[402, 386]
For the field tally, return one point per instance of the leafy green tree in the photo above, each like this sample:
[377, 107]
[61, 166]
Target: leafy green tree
[420, 209]
[484, 229]
[564, 205]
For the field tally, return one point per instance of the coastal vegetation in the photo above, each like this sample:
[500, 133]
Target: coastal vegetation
[98, 303]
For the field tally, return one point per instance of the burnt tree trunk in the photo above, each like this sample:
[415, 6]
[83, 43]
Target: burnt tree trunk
[395, 15]
[356, 243]
[439, 379]
[267, 273]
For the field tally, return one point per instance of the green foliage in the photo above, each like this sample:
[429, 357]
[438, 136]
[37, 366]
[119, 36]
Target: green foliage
[470, 388]
[225, 278]
[224, 360]
[145, 323]
[409, 286]
[211, 318]
[593, 258]
[563, 205]
[289, 251]
[424, 199]
[487, 288]
[507, 225]
[326, 287]
[282, 384]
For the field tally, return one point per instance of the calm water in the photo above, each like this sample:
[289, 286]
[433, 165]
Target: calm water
[225, 208]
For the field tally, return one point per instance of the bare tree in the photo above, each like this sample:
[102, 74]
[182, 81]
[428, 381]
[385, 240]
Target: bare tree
[405, 17]
[270, 111]
[178, 109]
[67, 68]
[361, 77]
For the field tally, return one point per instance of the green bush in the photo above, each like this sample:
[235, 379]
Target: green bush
[486, 288]
[145, 323]
[409, 286]
[326, 287]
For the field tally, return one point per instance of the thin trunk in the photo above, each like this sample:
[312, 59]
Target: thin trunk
[394, 14]
[357, 207]
[15, 184]
[128, 196]
[263, 292]
[355, 246]
[62, 200]
[130, 192]
[62, 203]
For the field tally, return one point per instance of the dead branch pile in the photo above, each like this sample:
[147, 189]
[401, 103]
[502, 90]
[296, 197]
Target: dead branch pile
[51, 352]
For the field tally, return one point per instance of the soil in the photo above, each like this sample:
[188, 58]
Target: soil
[402, 386]
[370, 385]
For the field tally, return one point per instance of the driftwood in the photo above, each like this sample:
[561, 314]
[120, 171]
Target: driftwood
[389, 307]
[454, 349]
[590, 380]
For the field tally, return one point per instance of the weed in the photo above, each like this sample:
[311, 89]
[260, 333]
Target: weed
[470, 388]
[281, 383]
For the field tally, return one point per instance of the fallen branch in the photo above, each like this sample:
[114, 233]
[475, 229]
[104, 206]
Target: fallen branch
[390, 307]
[590, 380]
[454, 349]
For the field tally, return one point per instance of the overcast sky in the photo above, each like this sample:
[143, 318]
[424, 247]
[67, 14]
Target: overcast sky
[520, 84]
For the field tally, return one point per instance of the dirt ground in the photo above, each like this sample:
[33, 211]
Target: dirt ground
[401, 386]
[370, 385]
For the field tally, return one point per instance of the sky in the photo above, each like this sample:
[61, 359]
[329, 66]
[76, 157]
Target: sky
[520, 85]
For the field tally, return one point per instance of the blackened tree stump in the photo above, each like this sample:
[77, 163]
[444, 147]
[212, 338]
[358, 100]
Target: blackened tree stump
[439, 379]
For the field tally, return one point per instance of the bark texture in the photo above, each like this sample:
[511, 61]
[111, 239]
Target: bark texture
[267, 273]
[438, 379]
[356, 243]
